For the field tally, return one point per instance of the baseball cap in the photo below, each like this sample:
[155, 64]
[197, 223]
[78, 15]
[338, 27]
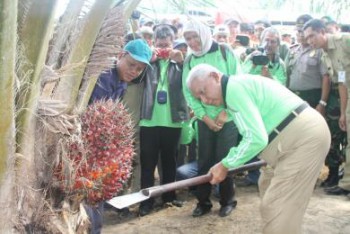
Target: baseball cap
[231, 21]
[301, 20]
[146, 30]
[221, 29]
[139, 50]
[328, 20]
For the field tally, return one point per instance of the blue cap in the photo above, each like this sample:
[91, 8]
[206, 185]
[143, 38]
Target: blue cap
[139, 50]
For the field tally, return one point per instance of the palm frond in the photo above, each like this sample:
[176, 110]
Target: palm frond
[108, 44]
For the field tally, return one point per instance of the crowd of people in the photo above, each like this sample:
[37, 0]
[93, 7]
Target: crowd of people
[248, 92]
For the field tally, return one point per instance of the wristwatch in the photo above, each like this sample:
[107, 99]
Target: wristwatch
[323, 103]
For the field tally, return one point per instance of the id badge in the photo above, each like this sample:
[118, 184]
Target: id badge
[162, 97]
[341, 76]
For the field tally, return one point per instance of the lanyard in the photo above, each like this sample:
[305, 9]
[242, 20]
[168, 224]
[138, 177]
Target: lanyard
[163, 65]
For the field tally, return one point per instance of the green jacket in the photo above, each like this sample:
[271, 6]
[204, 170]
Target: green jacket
[277, 70]
[258, 106]
[227, 63]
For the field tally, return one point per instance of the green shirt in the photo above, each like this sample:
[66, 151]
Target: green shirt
[230, 66]
[277, 70]
[161, 116]
[258, 106]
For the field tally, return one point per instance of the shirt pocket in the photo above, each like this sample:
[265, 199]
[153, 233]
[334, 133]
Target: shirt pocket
[311, 62]
[308, 64]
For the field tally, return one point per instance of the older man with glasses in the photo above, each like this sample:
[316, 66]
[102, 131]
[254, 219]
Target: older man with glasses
[266, 60]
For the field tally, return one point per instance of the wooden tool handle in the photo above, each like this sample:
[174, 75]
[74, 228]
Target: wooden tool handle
[157, 190]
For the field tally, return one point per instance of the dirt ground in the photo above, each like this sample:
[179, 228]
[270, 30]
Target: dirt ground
[325, 215]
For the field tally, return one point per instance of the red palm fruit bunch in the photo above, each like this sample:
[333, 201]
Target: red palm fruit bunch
[99, 162]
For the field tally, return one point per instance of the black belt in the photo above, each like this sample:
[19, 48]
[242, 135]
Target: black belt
[287, 120]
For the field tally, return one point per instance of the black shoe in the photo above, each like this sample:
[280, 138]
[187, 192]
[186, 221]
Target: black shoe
[332, 179]
[177, 203]
[145, 210]
[337, 191]
[201, 210]
[225, 210]
[328, 184]
[330, 188]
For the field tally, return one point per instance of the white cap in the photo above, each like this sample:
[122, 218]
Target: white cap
[146, 30]
[221, 29]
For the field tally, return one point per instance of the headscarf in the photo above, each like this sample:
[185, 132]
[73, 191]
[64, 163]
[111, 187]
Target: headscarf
[204, 34]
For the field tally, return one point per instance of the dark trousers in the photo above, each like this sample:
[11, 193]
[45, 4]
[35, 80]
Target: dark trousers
[155, 142]
[95, 214]
[311, 96]
[212, 148]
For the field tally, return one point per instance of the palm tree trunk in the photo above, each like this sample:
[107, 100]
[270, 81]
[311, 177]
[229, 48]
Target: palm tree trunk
[8, 25]
[34, 34]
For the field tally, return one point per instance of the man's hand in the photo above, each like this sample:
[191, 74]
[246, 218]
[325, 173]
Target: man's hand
[211, 124]
[321, 109]
[162, 53]
[342, 122]
[176, 55]
[265, 71]
[221, 118]
[219, 173]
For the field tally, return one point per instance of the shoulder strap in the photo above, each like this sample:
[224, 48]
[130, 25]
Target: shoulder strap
[223, 48]
[223, 51]
[188, 61]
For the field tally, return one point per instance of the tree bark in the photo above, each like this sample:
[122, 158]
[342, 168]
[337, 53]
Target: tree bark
[8, 26]
[34, 34]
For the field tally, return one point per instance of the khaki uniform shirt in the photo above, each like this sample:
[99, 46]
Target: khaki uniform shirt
[305, 68]
[339, 54]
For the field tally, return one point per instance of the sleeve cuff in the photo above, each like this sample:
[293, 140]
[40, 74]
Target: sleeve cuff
[225, 164]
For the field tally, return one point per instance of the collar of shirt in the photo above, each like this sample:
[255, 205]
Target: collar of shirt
[331, 42]
[224, 81]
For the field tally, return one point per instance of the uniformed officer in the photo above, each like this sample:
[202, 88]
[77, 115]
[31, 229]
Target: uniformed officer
[336, 154]
[338, 49]
[309, 71]
[332, 26]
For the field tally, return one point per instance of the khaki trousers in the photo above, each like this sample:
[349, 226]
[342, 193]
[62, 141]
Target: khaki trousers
[345, 181]
[295, 158]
